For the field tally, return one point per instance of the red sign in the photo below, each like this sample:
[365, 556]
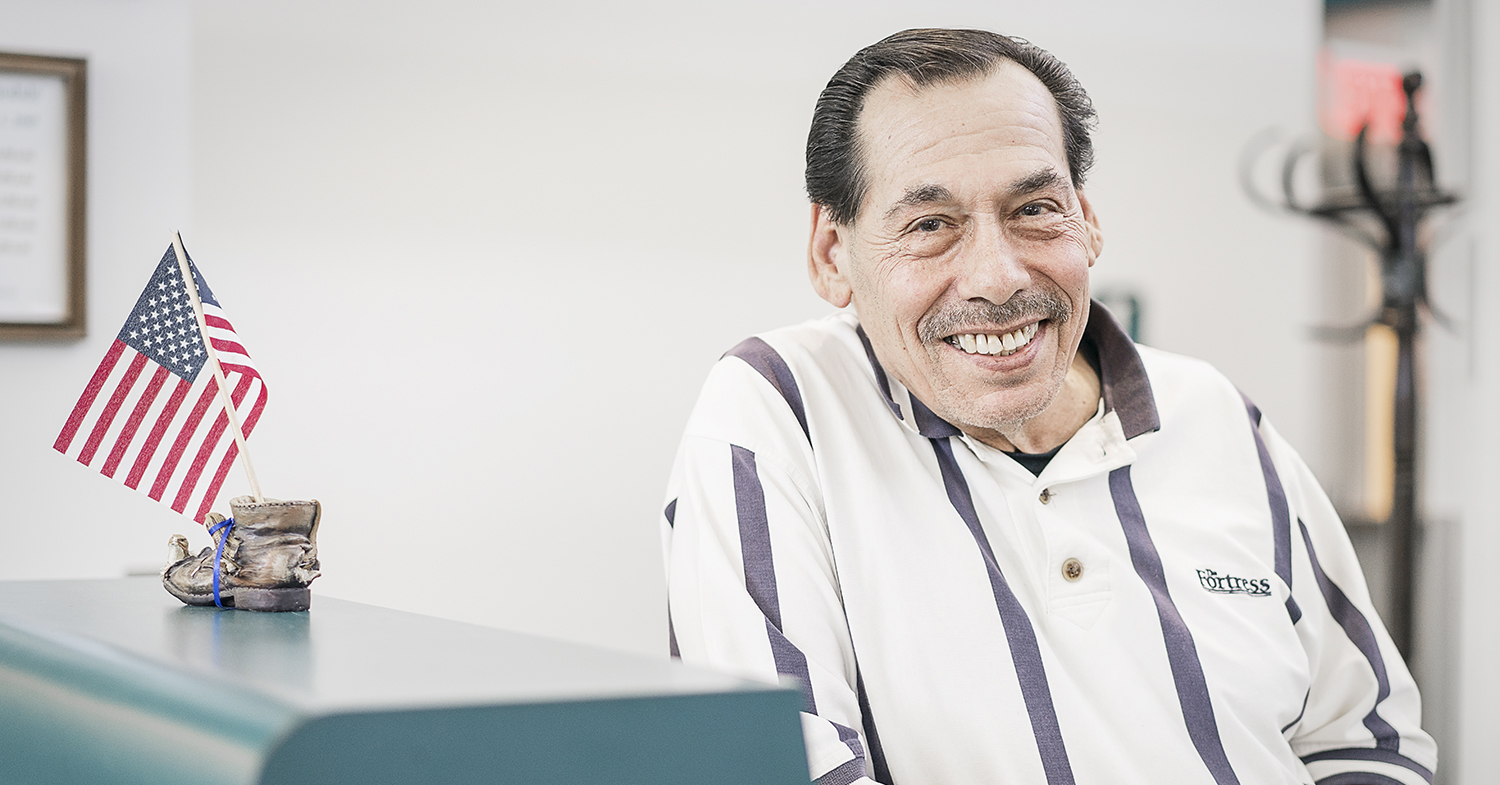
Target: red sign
[1352, 93]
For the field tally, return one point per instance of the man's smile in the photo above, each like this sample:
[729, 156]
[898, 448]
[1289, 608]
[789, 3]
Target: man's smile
[1000, 345]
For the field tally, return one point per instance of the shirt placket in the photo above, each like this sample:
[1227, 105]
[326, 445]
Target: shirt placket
[1066, 565]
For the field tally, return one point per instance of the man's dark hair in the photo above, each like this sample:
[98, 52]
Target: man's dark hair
[835, 170]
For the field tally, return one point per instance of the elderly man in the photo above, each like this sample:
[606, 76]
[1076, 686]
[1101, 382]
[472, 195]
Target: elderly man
[991, 538]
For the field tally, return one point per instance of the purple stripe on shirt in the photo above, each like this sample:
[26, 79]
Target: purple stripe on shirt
[790, 661]
[1281, 516]
[851, 740]
[1359, 778]
[929, 424]
[1182, 653]
[844, 774]
[755, 535]
[1378, 755]
[671, 515]
[880, 380]
[760, 582]
[1357, 627]
[759, 355]
[1301, 713]
[877, 753]
[1025, 653]
[1123, 381]
[760, 569]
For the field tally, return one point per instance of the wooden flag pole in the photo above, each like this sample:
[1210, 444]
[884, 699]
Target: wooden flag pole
[213, 361]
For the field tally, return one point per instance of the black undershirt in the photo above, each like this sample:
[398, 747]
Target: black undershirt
[1035, 462]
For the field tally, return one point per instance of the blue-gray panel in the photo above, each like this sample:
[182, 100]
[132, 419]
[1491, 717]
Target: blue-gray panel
[681, 740]
[114, 681]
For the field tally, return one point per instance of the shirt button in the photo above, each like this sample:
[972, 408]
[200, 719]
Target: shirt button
[1072, 569]
[1046, 495]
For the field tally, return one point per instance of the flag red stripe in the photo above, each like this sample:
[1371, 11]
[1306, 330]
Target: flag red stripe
[183, 435]
[260, 405]
[234, 450]
[228, 346]
[90, 392]
[217, 321]
[112, 408]
[133, 424]
[211, 441]
[162, 421]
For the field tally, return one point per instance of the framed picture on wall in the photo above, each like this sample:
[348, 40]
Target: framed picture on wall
[42, 164]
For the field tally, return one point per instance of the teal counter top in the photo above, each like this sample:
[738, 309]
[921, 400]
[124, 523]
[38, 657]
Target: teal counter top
[115, 681]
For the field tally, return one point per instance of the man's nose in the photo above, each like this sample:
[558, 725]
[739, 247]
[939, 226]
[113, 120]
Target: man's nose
[992, 266]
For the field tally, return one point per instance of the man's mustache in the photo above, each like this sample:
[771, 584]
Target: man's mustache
[970, 316]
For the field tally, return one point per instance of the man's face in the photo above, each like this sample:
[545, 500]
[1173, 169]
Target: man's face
[968, 262]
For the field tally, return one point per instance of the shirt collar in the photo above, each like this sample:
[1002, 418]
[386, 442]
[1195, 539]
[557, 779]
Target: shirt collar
[1126, 389]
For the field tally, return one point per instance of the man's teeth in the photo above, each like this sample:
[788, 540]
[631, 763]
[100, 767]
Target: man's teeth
[984, 343]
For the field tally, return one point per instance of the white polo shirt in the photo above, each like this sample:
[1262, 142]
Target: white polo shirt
[1173, 599]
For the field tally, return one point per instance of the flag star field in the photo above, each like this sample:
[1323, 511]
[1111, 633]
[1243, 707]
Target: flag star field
[162, 326]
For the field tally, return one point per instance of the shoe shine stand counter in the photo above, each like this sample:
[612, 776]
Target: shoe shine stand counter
[114, 681]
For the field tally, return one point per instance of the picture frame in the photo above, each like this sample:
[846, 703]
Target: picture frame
[43, 168]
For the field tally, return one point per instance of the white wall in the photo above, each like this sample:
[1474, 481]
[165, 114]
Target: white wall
[55, 520]
[1478, 756]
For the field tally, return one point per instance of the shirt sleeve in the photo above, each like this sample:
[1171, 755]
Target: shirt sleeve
[1361, 721]
[751, 584]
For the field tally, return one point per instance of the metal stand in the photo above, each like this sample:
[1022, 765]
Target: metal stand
[1397, 216]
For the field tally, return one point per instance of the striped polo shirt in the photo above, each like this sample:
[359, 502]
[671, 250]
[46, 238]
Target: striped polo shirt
[1172, 600]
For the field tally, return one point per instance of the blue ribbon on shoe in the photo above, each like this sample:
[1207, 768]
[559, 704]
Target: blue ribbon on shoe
[226, 524]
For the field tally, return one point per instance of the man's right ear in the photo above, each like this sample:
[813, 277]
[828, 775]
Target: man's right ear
[827, 264]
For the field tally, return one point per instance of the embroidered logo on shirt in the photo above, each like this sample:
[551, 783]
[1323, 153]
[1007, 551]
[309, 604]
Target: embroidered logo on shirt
[1229, 584]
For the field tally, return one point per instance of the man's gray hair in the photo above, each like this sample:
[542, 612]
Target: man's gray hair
[836, 177]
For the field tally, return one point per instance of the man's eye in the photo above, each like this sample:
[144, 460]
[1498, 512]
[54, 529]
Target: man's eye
[929, 225]
[1041, 207]
[929, 236]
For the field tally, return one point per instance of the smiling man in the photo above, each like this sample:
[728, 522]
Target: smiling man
[991, 538]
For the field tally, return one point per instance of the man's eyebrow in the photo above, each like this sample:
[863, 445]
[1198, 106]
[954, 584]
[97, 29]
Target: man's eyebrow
[922, 194]
[1039, 180]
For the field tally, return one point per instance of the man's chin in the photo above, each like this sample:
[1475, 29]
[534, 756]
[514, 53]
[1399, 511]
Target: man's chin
[1010, 398]
[1001, 412]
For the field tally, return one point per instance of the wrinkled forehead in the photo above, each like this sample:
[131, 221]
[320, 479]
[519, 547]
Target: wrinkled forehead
[905, 129]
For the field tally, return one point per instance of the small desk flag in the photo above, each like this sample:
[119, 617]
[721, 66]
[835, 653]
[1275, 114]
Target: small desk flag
[150, 416]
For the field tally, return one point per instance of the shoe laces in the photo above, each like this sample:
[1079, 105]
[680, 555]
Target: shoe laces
[225, 525]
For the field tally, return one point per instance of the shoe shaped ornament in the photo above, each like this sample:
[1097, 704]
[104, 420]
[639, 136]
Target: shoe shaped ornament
[266, 558]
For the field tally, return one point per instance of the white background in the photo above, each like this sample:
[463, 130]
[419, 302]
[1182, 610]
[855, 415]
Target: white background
[484, 254]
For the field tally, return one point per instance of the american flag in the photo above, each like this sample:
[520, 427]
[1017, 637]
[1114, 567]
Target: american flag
[146, 417]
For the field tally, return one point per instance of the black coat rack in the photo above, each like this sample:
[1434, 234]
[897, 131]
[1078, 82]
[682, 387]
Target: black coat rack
[1396, 215]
